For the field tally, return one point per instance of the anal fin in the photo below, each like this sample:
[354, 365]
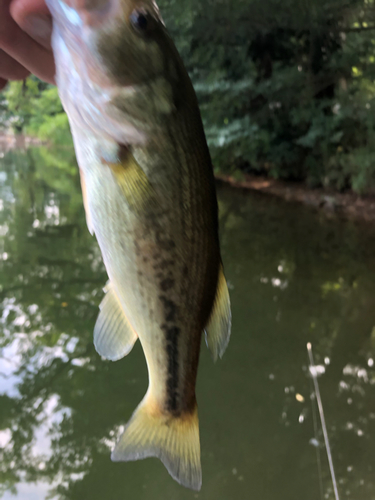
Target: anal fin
[114, 337]
[218, 327]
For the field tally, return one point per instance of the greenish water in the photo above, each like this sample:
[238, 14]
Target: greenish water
[295, 277]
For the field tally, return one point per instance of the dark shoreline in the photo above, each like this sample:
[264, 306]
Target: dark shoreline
[348, 205]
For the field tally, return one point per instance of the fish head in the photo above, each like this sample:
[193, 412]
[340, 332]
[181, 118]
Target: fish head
[107, 53]
[126, 39]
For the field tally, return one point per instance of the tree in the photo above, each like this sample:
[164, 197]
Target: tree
[285, 87]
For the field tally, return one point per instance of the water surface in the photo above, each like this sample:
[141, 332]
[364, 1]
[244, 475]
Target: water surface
[294, 277]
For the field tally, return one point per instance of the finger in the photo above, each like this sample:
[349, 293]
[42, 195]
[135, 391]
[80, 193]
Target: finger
[3, 83]
[24, 49]
[11, 69]
[34, 18]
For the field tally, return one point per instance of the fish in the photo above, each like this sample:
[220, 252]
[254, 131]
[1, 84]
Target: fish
[149, 196]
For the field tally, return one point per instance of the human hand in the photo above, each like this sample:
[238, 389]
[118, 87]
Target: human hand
[25, 33]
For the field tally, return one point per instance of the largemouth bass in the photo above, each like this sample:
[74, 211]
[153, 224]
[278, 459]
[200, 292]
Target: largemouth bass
[150, 199]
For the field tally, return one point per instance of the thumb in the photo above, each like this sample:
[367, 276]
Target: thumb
[34, 18]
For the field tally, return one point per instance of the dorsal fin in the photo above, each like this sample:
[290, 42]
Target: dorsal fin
[113, 335]
[219, 325]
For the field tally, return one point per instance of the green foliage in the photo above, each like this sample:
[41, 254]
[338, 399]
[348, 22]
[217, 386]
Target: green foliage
[49, 122]
[34, 108]
[18, 99]
[286, 88]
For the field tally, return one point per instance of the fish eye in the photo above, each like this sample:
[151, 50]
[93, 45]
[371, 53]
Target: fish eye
[140, 21]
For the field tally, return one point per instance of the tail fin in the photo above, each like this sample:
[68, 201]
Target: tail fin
[174, 440]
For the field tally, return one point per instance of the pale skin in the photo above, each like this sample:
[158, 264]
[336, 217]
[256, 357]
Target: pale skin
[25, 48]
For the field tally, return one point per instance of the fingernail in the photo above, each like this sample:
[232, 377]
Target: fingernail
[40, 28]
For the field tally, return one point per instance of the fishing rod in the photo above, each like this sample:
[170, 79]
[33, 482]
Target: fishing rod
[313, 373]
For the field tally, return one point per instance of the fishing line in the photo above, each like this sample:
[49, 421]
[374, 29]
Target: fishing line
[317, 447]
[322, 419]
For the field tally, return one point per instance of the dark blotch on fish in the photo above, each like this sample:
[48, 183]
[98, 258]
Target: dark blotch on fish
[167, 284]
[172, 334]
[170, 309]
[167, 245]
[164, 264]
[164, 243]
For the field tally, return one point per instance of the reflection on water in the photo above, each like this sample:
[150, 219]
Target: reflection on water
[294, 277]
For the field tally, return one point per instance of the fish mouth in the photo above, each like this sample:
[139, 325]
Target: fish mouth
[75, 28]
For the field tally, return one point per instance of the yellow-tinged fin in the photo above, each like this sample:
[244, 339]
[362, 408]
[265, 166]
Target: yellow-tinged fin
[219, 325]
[174, 440]
[114, 337]
[85, 204]
[132, 180]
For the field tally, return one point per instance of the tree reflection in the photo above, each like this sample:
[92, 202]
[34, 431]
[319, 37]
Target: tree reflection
[51, 277]
[293, 278]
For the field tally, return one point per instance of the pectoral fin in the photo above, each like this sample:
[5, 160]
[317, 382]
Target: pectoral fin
[133, 181]
[113, 335]
[219, 325]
